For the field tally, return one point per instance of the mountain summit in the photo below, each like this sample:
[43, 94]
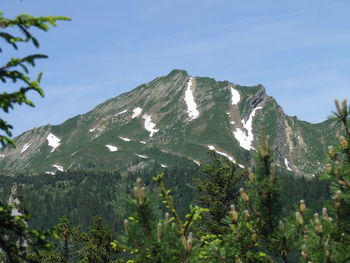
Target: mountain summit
[171, 118]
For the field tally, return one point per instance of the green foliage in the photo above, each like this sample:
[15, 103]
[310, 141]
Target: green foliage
[251, 221]
[327, 237]
[18, 242]
[75, 245]
[95, 244]
[144, 240]
[16, 70]
[218, 188]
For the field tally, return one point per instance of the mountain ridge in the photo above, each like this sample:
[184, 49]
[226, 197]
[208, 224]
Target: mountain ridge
[171, 116]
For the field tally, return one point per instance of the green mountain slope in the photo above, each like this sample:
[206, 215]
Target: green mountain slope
[170, 119]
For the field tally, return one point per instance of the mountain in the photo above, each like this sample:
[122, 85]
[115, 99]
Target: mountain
[174, 118]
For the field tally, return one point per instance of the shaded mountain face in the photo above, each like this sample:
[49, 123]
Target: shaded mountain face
[172, 118]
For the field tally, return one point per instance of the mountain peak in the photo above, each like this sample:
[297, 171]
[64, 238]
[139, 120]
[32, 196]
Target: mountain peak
[177, 71]
[172, 118]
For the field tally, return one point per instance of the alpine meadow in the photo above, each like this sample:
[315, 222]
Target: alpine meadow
[180, 169]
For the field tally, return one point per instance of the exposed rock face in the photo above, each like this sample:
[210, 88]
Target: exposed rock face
[172, 117]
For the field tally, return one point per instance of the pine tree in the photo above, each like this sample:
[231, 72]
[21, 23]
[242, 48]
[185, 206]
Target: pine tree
[148, 239]
[251, 220]
[326, 237]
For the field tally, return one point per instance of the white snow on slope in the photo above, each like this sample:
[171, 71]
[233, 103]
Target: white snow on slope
[122, 112]
[125, 139]
[143, 142]
[232, 122]
[58, 167]
[54, 141]
[235, 97]
[25, 147]
[52, 173]
[163, 165]
[92, 130]
[2, 155]
[192, 111]
[136, 112]
[245, 138]
[149, 125]
[287, 164]
[141, 156]
[196, 162]
[112, 148]
[211, 147]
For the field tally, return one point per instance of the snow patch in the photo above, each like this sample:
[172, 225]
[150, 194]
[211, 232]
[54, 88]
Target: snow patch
[196, 162]
[232, 122]
[53, 141]
[58, 167]
[125, 139]
[2, 155]
[211, 147]
[52, 173]
[141, 156]
[25, 147]
[287, 164]
[192, 111]
[92, 130]
[163, 165]
[143, 142]
[122, 112]
[136, 112]
[149, 125]
[245, 138]
[235, 97]
[112, 148]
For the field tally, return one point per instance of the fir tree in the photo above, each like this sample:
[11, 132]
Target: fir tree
[218, 189]
[13, 227]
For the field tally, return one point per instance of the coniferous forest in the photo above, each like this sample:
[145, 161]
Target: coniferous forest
[217, 212]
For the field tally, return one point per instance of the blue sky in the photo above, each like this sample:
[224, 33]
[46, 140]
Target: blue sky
[299, 50]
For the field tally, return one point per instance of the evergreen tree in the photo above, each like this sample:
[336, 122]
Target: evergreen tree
[95, 244]
[13, 227]
[251, 220]
[147, 239]
[218, 189]
[18, 242]
[326, 237]
[16, 70]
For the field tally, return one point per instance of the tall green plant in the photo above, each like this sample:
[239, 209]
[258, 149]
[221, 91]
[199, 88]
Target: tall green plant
[217, 190]
[326, 237]
[13, 228]
[251, 218]
[148, 239]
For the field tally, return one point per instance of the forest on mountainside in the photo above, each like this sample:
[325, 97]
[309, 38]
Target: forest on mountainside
[83, 195]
